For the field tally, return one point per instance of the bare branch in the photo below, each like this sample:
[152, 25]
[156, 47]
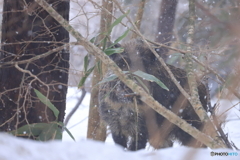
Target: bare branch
[36, 57]
[139, 16]
[75, 107]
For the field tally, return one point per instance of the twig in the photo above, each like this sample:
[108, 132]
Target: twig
[223, 135]
[36, 57]
[30, 83]
[28, 72]
[139, 16]
[75, 107]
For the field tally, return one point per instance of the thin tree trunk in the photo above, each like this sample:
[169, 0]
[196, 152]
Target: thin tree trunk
[139, 16]
[96, 127]
[28, 31]
[165, 24]
[209, 127]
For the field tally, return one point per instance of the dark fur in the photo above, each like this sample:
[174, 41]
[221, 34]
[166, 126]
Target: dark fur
[128, 125]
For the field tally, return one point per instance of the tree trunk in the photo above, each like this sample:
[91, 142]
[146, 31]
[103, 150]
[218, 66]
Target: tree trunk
[28, 31]
[165, 24]
[96, 126]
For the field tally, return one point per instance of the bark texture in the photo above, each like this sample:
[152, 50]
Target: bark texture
[28, 31]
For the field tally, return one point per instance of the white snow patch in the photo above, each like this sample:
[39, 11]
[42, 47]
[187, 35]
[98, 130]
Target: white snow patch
[13, 148]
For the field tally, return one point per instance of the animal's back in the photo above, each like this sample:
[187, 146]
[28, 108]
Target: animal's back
[131, 122]
[119, 107]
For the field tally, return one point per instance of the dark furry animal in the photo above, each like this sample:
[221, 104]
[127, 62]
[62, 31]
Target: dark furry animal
[132, 122]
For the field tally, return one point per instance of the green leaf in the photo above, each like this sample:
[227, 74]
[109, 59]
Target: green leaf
[42, 131]
[47, 102]
[110, 51]
[51, 131]
[111, 78]
[104, 43]
[65, 128]
[117, 21]
[142, 84]
[69, 133]
[30, 129]
[150, 78]
[108, 79]
[59, 134]
[89, 71]
[83, 79]
[120, 38]
[99, 67]
[86, 63]
[93, 39]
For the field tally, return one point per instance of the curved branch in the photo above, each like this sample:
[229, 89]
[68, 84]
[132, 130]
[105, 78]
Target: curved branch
[75, 107]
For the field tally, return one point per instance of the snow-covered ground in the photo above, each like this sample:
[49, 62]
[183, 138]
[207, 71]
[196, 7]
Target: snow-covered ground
[12, 148]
